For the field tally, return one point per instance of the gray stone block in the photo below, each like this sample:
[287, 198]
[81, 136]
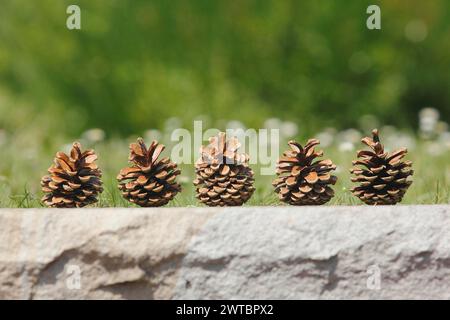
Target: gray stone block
[360, 252]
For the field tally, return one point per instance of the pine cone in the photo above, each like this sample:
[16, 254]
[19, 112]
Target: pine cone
[149, 182]
[74, 180]
[302, 180]
[223, 176]
[382, 176]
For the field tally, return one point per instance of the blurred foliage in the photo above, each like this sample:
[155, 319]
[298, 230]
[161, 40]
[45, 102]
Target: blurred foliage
[136, 63]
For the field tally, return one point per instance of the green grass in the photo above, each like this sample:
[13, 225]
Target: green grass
[24, 163]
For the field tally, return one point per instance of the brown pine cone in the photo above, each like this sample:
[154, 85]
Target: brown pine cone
[382, 176]
[303, 180]
[74, 180]
[223, 176]
[149, 182]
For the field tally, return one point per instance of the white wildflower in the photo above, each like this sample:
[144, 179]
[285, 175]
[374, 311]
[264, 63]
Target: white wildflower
[152, 134]
[288, 129]
[273, 123]
[346, 146]
[94, 135]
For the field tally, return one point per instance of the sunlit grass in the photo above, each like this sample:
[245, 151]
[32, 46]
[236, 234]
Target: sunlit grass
[21, 169]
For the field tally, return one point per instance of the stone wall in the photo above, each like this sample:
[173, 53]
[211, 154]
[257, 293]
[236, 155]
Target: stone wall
[226, 253]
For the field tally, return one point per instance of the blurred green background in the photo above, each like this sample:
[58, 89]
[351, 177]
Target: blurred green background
[135, 66]
[136, 63]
